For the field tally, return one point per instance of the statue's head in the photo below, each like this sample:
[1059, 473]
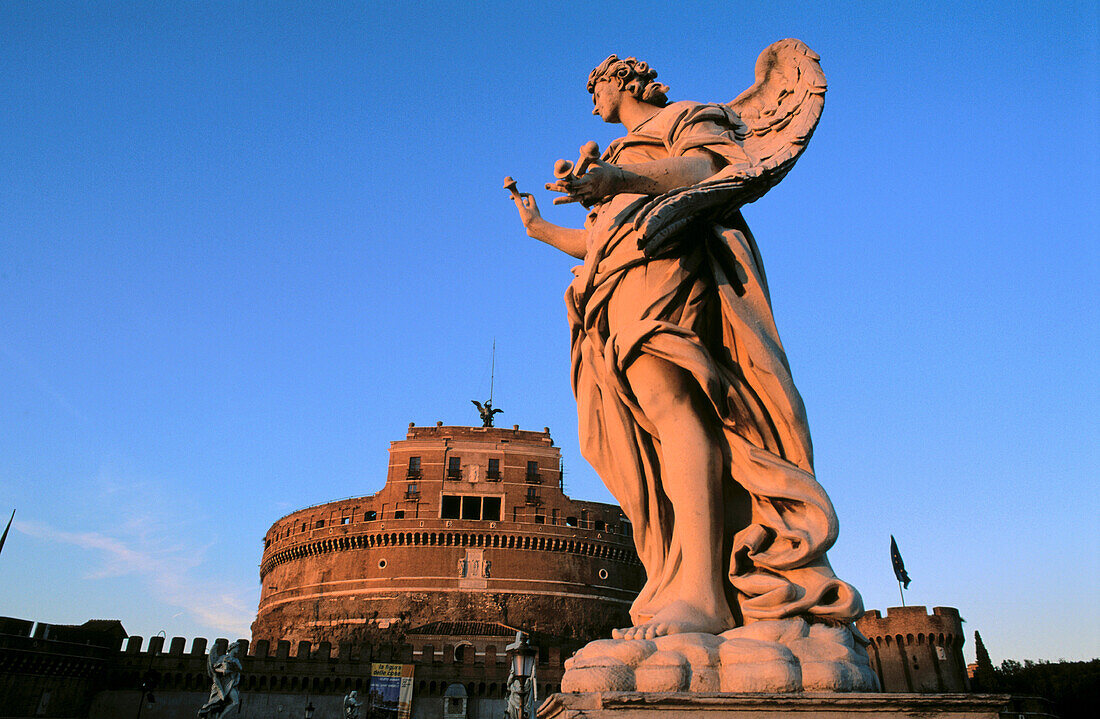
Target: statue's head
[635, 77]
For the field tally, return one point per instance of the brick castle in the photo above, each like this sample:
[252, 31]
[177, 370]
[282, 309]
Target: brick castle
[471, 525]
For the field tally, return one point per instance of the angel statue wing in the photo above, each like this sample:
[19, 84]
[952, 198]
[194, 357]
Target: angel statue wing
[780, 112]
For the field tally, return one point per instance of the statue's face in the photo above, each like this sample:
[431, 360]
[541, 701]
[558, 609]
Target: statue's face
[607, 96]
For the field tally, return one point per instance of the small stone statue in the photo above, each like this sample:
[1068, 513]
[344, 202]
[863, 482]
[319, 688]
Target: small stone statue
[486, 412]
[225, 675]
[351, 705]
[519, 696]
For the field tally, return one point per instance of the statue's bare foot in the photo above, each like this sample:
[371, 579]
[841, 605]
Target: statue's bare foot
[679, 617]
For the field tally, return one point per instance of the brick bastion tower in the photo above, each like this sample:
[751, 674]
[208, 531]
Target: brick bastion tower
[472, 526]
[914, 651]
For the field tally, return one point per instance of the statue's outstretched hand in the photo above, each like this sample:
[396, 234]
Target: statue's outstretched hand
[528, 209]
[602, 180]
[571, 242]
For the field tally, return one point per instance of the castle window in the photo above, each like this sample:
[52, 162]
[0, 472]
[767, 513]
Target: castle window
[454, 468]
[399, 514]
[600, 525]
[494, 470]
[345, 520]
[553, 516]
[320, 523]
[533, 497]
[451, 507]
[412, 492]
[370, 516]
[540, 519]
[571, 521]
[533, 473]
[414, 467]
[471, 507]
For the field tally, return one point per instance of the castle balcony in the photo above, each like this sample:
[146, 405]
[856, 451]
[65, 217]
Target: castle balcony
[533, 499]
[453, 474]
[412, 474]
[534, 478]
[492, 475]
[412, 495]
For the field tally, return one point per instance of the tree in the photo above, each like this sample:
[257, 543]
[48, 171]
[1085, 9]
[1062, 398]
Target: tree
[985, 677]
[1073, 688]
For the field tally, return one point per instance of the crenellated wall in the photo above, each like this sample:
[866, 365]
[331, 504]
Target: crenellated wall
[322, 668]
[51, 678]
[914, 651]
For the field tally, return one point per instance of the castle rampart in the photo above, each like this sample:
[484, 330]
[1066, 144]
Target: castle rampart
[914, 651]
[70, 678]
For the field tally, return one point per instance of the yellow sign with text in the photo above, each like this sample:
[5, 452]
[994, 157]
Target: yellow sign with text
[391, 688]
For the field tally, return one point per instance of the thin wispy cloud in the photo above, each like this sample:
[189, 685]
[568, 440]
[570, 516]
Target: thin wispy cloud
[169, 572]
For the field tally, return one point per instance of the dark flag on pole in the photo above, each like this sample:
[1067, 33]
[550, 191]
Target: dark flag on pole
[899, 566]
[4, 536]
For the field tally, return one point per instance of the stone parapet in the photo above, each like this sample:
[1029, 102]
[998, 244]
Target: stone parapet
[638, 705]
[913, 620]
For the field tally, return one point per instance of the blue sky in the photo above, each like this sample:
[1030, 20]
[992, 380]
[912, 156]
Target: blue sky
[243, 246]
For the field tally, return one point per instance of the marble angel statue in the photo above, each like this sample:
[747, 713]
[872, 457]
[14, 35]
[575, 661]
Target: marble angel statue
[687, 408]
[225, 674]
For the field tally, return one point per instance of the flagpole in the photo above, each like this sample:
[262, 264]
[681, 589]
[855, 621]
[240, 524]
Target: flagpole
[902, 593]
[4, 536]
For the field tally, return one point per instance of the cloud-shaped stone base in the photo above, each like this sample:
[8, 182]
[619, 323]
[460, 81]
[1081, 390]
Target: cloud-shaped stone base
[788, 655]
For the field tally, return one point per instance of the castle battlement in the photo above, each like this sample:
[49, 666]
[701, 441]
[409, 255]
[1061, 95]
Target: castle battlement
[89, 658]
[913, 650]
[913, 624]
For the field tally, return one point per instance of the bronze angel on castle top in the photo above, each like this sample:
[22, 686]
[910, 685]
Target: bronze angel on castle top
[486, 411]
[686, 405]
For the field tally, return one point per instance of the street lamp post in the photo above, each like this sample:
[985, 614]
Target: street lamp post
[522, 657]
[147, 680]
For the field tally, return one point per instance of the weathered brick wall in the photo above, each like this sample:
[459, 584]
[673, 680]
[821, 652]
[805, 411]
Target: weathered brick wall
[545, 562]
[46, 677]
[290, 674]
[913, 651]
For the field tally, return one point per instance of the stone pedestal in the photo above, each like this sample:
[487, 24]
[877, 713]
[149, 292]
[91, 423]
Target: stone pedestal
[777, 656]
[639, 705]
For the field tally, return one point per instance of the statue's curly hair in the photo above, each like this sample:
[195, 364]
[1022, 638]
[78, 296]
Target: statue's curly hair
[636, 77]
